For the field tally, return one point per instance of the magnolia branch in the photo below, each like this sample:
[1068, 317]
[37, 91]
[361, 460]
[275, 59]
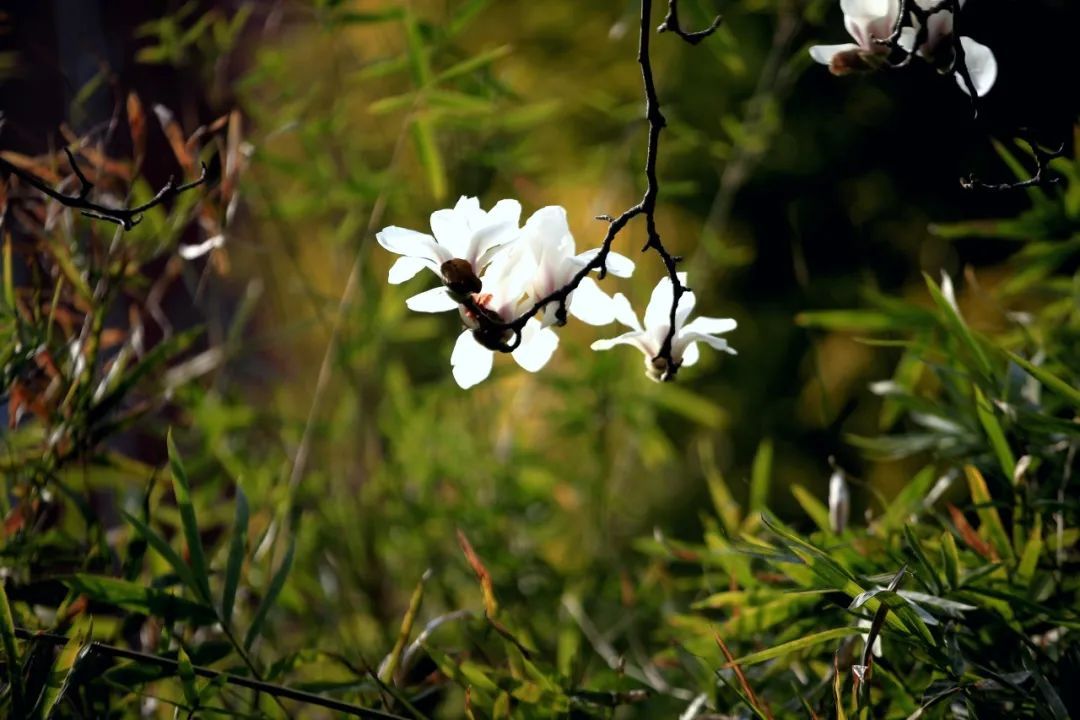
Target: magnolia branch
[126, 217]
[671, 23]
[1040, 178]
[492, 331]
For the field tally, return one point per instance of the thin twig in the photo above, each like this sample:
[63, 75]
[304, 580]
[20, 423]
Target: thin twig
[1039, 179]
[671, 23]
[126, 217]
[278, 691]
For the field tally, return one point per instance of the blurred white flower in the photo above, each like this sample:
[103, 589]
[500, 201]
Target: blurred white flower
[464, 240]
[650, 338]
[870, 20]
[546, 243]
[839, 502]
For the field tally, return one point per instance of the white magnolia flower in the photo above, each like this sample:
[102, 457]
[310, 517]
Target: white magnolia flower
[546, 243]
[650, 339]
[464, 233]
[867, 20]
[503, 297]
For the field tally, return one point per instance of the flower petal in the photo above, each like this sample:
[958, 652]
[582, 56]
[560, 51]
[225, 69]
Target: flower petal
[590, 304]
[981, 66]
[405, 268]
[691, 355]
[824, 54]
[413, 244]
[684, 339]
[451, 229]
[537, 346]
[618, 265]
[624, 313]
[710, 326]
[686, 306]
[471, 362]
[636, 338]
[435, 300]
[658, 311]
[505, 211]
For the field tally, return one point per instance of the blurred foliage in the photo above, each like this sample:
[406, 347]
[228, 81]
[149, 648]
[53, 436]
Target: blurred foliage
[333, 527]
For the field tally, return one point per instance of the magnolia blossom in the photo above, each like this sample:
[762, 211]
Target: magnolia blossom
[503, 299]
[650, 338]
[464, 240]
[870, 20]
[547, 245]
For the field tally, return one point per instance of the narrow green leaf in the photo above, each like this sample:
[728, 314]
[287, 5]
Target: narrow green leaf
[13, 664]
[271, 596]
[182, 490]
[187, 679]
[475, 62]
[1029, 558]
[141, 599]
[760, 475]
[816, 509]
[237, 549]
[950, 559]
[985, 410]
[989, 519]
[795, 645]
[68, 663]
[162, 547]
[386, 673]
[958, 328]
[1048, 379]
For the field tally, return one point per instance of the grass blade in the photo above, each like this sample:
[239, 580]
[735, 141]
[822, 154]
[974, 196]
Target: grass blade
[271, 596]
[985, 410]
[11, 652]
[237, 547]
[182, 490]
[802, 643]
[164, 549]
[989, 519]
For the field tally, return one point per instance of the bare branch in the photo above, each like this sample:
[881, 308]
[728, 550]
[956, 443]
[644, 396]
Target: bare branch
[671, 23]
[126, 217]
[1039, 179]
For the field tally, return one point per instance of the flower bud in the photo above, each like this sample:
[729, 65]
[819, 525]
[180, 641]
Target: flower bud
[839, 502]
[459, 278]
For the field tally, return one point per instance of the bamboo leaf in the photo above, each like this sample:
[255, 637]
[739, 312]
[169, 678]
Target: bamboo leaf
[162, 547]
[182, 490]
[271, 596]
[760, 475]
[816, 509]
[989, 519]
[13, 664]
[235, 563]
[985, 410]
[802, 643]
[1048, 379]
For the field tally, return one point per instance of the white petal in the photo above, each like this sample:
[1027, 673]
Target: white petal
[471, 361]
[634, 337]
[405, 268]
[592, 305]
[618, 265]
[658, 311]
[685, 338]
[413, 244]
[710, 326]
[190, 252]
[825, 53]
[451, 229]
[624, 313]
[486, 239]
[549, 223]
[981, 65]
[537, 346]
[505, 211]
[691, 355]
[686, 306]
[435, 300]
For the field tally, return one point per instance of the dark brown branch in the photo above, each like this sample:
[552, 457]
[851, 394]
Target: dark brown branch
[492, 333]
[126, 217]
[671, 23]
[278, 691]
[1039, 179]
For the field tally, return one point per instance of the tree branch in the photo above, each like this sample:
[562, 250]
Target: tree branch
[492, 332]
[1039, 179]
[671, 23]
[126, 217]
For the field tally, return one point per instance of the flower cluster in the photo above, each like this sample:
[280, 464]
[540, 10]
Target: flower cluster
[512, 285]
[871, 24]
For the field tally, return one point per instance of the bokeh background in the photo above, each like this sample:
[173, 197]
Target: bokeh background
[787, 190]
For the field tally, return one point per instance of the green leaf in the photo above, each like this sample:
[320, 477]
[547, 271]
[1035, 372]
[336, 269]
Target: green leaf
[68, 663]
[950, 559]
[816, 509]
[760, 475]
[1048, 379]
[141, 599]
[13, 664]
[182, 490]
[795, 645]
[271, 596]
[237, 548]
[989, 519]
[162, 547]
[955, 324]
[187, 679]
[985, 410]
[1029, 558]
[475, 62]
